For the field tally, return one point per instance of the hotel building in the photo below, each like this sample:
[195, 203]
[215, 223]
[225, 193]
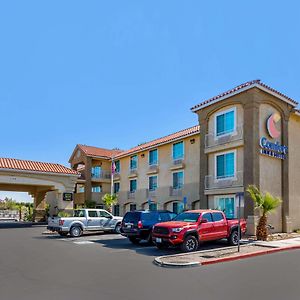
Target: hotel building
[247, 135]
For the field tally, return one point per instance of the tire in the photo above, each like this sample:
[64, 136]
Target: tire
[76, 231]
[118, 228]
[133, 240]
[233, 238]
[63, 233]
[190, 244]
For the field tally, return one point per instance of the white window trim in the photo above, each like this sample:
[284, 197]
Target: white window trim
[234, 132]
[149, 181]
[172, 152]
[137, 162]
[178, 171]
[234, 177]
[149, 157]
[136, 185]
[216, 198]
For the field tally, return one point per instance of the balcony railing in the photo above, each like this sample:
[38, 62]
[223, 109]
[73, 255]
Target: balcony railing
[211, 182]
[175, 191]
[211, 140]
[177, 164]
[152, 169]
[131, 195]
[133, 172]
[102, 175]
[151, 193]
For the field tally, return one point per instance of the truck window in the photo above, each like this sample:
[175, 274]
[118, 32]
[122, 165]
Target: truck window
[217, 216]
[93, 214]
[79, 213]
[207, 217]
[103, 213]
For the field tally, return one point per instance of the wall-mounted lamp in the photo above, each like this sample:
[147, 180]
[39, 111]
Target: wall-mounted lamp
[192, 141]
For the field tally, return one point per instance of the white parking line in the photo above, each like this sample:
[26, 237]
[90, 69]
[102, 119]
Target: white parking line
[83, 242]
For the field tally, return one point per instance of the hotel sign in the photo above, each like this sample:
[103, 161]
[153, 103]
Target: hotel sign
[67, 196]
[273, 149]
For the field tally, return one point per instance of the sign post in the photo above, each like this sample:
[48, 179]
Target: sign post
[239, 195]
[184, 202]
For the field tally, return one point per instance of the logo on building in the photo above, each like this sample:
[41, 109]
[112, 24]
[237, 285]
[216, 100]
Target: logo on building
[273, 125]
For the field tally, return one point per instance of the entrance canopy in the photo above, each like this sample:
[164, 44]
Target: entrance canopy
[39, 179]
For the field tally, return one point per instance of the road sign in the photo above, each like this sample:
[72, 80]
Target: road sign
[184, 200]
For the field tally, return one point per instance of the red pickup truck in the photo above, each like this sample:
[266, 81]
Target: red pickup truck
[191, 227]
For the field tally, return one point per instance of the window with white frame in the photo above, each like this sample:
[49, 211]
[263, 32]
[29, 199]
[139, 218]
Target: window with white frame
[96, 172]
[96, 189]
[225, 122]
[133, 162]
[225, 165]
[178, 180]
[153, 157]
[178, 150]
[152, 183]
[117, 166]
[133, 185]
[227, 205]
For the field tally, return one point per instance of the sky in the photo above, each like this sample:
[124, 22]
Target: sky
[120, 73]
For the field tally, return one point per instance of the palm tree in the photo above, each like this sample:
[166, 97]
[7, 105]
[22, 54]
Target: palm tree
[109, 200]
[266, 203]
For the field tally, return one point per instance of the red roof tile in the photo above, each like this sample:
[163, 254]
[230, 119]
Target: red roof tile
[28, 165]
[249, 84]
[95, 151]
[171, 137]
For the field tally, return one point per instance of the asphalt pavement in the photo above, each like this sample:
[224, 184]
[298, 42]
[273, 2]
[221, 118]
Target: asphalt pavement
[106, 266]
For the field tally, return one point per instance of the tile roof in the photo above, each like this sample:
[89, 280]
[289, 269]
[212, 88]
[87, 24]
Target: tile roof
[157, 142]
[28, 165]
[95, 151]
[241, 88]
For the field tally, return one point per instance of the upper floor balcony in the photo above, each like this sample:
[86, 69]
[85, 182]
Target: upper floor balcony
[131, 195]
[211, 182]
[177, 164]
[212, 140]
[152, 169]
[151, 193]
[133, 172]
[178, 191]
[100, 176]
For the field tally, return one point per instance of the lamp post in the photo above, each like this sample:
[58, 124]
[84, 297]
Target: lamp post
[239, 195]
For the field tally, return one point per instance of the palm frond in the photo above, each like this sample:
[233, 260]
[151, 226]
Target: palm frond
[255, 195]
[270, 203]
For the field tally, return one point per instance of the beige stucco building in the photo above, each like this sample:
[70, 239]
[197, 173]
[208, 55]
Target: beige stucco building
[247, 135]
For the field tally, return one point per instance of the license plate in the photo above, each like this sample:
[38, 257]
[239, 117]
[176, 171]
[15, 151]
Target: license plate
[158, 240]
[128, 226]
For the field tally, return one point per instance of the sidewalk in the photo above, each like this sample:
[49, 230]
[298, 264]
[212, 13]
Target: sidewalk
[206, 257]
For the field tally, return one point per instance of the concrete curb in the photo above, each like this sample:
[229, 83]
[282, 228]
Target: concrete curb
[159, 260]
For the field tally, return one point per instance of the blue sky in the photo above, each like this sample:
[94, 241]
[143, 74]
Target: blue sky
[119, 73]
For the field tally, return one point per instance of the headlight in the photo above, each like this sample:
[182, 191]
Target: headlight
[176, 229]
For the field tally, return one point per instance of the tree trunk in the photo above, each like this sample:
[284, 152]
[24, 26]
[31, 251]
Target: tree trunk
[261, 230]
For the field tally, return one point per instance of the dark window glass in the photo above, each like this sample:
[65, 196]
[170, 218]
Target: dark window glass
[132, 207]
[132, 216]
[187, 217]
[117, 210]
[148, 216]
[79, 213]
[93, 214]
[164, 217]
[217, 217]
[207, 217]
[103, 213]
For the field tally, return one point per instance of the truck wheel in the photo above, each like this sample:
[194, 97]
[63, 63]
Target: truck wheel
[76, 231]
[233, 238]
[118, 228]
[63, 233]
[189, 244]
[134, 240]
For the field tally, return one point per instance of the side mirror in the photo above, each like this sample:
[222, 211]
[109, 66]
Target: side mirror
[203, 221]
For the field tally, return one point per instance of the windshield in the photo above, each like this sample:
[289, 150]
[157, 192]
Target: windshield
[187, 217]
[79, 213]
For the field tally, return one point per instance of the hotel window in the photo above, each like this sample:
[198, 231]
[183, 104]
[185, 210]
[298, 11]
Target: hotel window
[226, 204]
[96, 171]
[177, 207]
[116, 210]
[178, 151]
[81, 189]
[117, 166]
[132, 207]
[225, 165]
[178, 180]
[225, 122]
[96, 189]
[133, 162]
[153, 157]
[116, 187]
[153, 206]
[152, 183]
[133, 185]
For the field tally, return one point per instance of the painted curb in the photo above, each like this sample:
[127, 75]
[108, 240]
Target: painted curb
[159, 260]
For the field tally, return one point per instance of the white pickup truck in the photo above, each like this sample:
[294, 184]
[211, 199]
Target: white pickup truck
[85, 220]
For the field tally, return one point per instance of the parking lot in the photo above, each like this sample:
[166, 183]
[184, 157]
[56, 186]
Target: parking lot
[107, 266]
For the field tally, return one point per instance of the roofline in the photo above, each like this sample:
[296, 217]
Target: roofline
[241, 90]
[157, 145]
[38, 172]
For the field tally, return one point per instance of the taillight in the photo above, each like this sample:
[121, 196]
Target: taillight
[61, 222]
[140, 224]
